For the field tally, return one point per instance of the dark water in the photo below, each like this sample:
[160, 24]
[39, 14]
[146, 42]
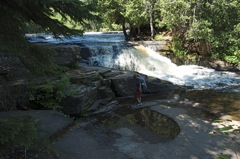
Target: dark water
[148, 126]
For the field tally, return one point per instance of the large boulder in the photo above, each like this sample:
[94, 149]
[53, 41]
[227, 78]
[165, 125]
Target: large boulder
[123, 83]
[223, 66]
[67, 55]
[85, 53]
[91, 93]
[83, 98]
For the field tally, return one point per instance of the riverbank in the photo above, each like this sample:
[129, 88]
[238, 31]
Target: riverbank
[93, 138]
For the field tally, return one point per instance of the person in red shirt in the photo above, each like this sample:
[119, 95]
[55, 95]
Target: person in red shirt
[141, 84]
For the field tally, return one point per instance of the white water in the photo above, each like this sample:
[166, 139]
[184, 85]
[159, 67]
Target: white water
[86, 38]
[148, 62]
[110, 50]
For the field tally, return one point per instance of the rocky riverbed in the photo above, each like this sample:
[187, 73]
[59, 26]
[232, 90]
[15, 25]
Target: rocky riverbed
[103, 121]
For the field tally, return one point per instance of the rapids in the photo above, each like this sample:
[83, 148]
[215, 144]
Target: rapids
[112, 51]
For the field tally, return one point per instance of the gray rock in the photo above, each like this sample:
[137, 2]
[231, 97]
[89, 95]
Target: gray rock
[85, 53]
[49, 123]
[66, 55]
[123, 84]
[10, 64]
[92, 91]
[83, 98]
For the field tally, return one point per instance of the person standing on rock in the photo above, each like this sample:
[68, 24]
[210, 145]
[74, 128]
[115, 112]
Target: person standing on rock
[141, 87]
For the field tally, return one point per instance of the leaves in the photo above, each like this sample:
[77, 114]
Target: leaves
[48, 15]
[50, 93]
[17, 131]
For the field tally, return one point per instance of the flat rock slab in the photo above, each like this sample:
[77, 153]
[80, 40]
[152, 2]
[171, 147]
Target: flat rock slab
[79, 144]
[193, 142]
[49, 122]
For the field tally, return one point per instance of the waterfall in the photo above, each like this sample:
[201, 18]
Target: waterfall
[112, 51]
[151, 63]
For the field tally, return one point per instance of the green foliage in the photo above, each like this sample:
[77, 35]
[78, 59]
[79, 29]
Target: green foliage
[175, 14]
[112, 10]
[214, 22]
[200, 30]
[135, 12]
[38, 59]
[44, 13]
[48, 15]
[222, 156]
[161, 37]
[50, 93]
[178, 49]
[30, 27]
[17, 131]
[131, 13]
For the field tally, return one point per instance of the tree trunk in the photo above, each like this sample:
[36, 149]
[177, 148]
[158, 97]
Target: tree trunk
[151, 20]
[124, 31]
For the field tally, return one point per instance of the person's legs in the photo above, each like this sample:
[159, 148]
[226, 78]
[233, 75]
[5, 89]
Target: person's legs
[138, 94]
[140, 101]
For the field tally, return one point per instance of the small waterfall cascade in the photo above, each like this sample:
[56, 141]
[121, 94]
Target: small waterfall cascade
[151, 63]
[112, 51]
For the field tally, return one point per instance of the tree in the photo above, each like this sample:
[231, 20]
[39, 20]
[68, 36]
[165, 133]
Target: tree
[113, 13]
[14, 14]
[125, 12]
[135, 14]
[151, 9]
[212, 24]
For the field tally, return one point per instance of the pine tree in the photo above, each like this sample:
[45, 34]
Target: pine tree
[15, 14]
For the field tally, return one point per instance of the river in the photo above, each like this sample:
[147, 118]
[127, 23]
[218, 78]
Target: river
[112, 51]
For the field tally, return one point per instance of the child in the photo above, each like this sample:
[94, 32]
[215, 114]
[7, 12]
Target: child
[141, 86]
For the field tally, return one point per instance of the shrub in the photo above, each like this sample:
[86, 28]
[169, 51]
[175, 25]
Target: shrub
[51, 93]
[178, 50]
[17, 131]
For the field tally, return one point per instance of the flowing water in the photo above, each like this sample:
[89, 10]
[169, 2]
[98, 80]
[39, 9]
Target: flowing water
[218, 90]
[112, 51]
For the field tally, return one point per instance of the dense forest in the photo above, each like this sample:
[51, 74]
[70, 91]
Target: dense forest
[210, 29]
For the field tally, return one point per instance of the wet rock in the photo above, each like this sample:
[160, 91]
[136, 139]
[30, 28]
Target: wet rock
[156, 85]
[85, 53]
[223, 66]
[88, 78]
[66, 55]
[86, 68]
[83, 98]
[103, 106]
[123, 84]
[106, 92]
[92, 92]
[10, 64]
[155, 45]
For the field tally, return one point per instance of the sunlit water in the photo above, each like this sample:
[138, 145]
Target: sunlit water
[111, 50]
